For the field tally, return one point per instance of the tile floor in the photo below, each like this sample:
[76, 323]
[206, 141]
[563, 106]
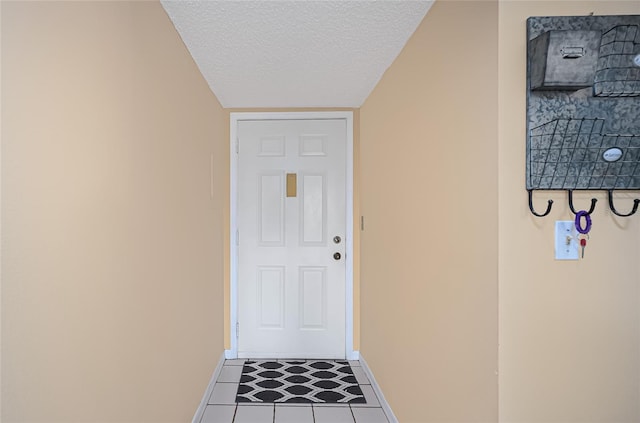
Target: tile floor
[222, 408]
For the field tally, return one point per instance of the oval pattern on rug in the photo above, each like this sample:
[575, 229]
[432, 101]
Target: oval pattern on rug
[296, 381]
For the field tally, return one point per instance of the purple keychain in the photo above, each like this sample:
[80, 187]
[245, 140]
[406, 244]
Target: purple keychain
[583, 230]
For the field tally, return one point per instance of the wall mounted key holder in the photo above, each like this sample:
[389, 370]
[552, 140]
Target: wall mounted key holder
[583, 107]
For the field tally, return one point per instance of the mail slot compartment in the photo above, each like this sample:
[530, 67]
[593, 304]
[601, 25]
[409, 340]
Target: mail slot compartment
[564, 59]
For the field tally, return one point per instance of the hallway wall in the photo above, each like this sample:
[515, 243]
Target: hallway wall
[429, 197]
[443, 226]
[112, 260]
[569, 331]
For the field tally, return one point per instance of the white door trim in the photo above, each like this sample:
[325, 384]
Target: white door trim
[235, 118]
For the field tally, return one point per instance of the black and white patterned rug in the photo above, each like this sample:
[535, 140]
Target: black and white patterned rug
[315, 381]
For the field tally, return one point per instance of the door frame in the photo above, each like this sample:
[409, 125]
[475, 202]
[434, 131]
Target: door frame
[235, 119]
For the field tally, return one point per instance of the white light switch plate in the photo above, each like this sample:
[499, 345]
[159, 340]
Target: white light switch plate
[566, 250]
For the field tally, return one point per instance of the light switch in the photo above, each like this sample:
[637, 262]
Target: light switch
[567, 244]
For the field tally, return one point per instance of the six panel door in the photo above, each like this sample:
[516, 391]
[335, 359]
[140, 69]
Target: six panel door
[291, 223]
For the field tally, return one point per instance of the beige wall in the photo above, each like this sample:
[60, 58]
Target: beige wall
[112, 268]
[429, 196]
[569, 331]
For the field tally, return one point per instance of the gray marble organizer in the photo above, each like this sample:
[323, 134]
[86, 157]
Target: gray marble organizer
[569, 128]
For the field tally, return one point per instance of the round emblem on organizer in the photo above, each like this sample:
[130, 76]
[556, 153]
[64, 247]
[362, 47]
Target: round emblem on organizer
[612, 154]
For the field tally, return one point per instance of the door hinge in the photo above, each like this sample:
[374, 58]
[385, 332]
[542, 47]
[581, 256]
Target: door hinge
[237, 145]
[237, 330]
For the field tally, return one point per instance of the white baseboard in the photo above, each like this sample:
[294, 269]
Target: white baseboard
[232, 354]
[376, 388]
[203, 403]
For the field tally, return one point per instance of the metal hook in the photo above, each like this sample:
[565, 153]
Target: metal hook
[636, 202]
[549, 204]
[593, 203]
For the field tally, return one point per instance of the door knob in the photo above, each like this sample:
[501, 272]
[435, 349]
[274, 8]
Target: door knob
[337, 256]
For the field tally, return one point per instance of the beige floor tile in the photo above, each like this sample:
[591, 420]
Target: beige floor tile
[360, 375]
[230, 374]
[293, 404]
[354, 363]
[218, 414]
[224, 393]
[331, 404]
[235, 362]
[369, 396]
[332, 415]
[254, 414]
[255, 404]
[286, 414]
[369, 415]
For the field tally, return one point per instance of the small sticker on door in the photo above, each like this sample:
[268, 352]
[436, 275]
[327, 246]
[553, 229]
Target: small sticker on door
[292, 185]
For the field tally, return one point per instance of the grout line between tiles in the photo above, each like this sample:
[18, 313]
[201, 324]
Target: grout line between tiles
[235, 411]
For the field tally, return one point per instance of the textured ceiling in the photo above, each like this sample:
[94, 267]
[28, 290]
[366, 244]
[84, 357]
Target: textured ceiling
[273, 53]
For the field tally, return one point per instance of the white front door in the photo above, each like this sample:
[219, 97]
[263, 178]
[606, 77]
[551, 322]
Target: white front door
[291, 238]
